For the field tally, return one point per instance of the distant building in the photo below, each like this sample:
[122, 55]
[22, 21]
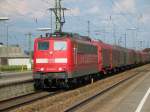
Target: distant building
[13, 55]
[1, 44]
[147, 50]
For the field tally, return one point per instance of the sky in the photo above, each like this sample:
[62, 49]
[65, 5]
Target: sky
[109, 20]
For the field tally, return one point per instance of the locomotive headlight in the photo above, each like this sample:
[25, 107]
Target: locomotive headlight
[51, 52]
[60, 69]
[42, 69]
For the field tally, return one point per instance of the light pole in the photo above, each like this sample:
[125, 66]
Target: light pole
[88, 28]
[102, 32]
[125, 40]
[29, 44]
[124, 36]
[7, 34]
[113, 30]
[134, 36]
[119, 41]
[5, 19]
[141, 44]
[51, 22]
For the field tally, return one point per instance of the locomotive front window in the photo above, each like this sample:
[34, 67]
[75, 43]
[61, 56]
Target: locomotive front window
[43, 45]
[60, 46]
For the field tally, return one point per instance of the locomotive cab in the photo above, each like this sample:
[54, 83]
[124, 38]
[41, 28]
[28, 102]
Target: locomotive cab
[50, 60]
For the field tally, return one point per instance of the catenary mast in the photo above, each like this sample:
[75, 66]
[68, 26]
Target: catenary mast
[59, 16]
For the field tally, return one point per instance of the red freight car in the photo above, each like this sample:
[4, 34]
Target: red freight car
[104, 56]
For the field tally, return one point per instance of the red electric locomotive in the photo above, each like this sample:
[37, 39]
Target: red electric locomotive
[59, 59]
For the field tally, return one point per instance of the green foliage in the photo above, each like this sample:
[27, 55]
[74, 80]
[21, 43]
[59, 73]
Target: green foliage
[13, 68]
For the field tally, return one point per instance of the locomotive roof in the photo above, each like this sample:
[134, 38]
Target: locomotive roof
[68, 35]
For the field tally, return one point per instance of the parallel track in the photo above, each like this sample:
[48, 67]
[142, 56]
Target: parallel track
[9, 104]
[16, 102]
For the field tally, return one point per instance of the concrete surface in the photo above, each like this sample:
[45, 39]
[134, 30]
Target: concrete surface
[7, 78]
[124, 98]
[14, 73]
[131, 102]
[15, 84]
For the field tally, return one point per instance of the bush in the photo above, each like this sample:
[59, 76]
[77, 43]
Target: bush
[13, 68]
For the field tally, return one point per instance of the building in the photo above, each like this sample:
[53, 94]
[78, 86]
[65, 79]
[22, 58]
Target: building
[147, 50]
[13, 55]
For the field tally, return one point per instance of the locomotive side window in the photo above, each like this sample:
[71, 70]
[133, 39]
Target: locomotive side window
[43, 45]
[60, 46]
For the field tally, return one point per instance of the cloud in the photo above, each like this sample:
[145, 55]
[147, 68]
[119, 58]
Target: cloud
[74, 1]
[97, 8]
[73, 12]
[145, 18]
[25, 8]
[124, 6]
[94, 10]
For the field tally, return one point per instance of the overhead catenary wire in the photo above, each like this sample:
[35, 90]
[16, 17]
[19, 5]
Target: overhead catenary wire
[124, 17]
[46, 1]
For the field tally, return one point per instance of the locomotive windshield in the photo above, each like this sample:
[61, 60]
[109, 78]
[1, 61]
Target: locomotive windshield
[43, 45]
[60, 45]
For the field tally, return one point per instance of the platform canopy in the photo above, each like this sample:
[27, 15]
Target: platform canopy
[44, 29]
[4, 18]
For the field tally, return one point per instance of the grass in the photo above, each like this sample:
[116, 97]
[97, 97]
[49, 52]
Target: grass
[14, 68]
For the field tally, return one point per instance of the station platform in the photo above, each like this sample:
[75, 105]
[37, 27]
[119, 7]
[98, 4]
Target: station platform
[138, 99]
[131, 96]
[10, 78]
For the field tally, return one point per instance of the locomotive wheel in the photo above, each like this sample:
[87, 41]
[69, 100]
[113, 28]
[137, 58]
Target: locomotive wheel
[38, 85]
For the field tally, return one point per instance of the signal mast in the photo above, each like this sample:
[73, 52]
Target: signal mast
[59, 13]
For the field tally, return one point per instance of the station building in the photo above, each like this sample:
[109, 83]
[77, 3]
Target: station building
[13, 55]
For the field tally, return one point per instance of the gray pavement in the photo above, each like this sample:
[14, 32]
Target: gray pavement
[131, 102]
[14, 73]
[146, 107]
[124, 98]
[8, 78]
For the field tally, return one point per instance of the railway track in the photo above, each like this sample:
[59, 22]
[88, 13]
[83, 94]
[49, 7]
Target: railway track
[70, 100]
[12, 103]
[15, 88]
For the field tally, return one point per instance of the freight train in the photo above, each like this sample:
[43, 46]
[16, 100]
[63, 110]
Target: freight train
[65, 59]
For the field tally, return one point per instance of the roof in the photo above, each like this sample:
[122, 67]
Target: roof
[146, 50]
[12, 52]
